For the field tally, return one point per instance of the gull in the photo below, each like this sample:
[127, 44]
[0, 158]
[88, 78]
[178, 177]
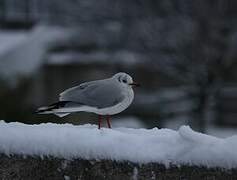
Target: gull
[103, 97]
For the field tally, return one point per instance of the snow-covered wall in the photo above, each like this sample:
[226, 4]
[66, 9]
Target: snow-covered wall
[163, 146]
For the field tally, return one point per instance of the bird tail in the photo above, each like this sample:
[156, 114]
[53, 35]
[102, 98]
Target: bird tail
[51, 109]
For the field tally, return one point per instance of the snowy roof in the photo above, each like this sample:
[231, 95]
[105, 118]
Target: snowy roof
[136, 145]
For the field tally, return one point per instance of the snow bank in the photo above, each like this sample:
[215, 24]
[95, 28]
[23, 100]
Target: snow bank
[137, 145]
[11, 39]
[22, 53]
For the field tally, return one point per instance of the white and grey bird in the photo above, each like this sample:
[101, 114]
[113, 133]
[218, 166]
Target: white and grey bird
[103, 97]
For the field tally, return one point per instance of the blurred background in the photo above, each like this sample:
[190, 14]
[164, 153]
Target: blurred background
[182, 52]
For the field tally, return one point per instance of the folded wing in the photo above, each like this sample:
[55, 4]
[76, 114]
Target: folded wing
[100, 94]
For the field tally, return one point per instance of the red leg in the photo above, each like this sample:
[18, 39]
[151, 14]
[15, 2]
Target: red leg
[99, 121]
[108, 121]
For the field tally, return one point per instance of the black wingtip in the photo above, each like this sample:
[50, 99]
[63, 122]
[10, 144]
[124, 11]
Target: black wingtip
[38, 111]
[51, 107]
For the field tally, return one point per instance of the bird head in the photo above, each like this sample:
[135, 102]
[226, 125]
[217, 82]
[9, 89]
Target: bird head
[125, 79]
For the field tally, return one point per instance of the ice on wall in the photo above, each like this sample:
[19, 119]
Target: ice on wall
[184, 146]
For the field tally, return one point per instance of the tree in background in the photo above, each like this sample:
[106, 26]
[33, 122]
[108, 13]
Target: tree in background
[201, 57]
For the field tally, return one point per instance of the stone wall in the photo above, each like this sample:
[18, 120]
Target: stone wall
[28, 168]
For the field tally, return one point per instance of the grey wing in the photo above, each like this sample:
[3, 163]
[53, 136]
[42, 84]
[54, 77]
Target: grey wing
[63, 96]
[100, 94]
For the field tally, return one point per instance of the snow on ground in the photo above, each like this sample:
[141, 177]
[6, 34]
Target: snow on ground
[10, 39]
[137, 145]
[21, 53]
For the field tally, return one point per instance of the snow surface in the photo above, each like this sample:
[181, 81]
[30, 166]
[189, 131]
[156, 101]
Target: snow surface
[137, 145]
[11, 39]
[21, 53]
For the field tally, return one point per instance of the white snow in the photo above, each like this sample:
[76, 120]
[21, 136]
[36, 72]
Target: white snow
[21, 53]
[136, 145]
[66, 177]
[135, 174]
[11, 39]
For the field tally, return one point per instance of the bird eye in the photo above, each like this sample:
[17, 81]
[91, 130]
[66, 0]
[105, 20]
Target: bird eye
[119, 79]
[124, 81]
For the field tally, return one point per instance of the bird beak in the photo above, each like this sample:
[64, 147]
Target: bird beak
[134, 84]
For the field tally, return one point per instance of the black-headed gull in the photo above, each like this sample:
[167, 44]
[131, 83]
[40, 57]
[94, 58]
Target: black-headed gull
[103, 97]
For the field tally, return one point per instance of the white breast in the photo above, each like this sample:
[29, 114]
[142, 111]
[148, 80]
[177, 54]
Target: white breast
[129, 95]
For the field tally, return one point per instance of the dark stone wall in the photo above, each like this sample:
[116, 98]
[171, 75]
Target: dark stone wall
[29, 168]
